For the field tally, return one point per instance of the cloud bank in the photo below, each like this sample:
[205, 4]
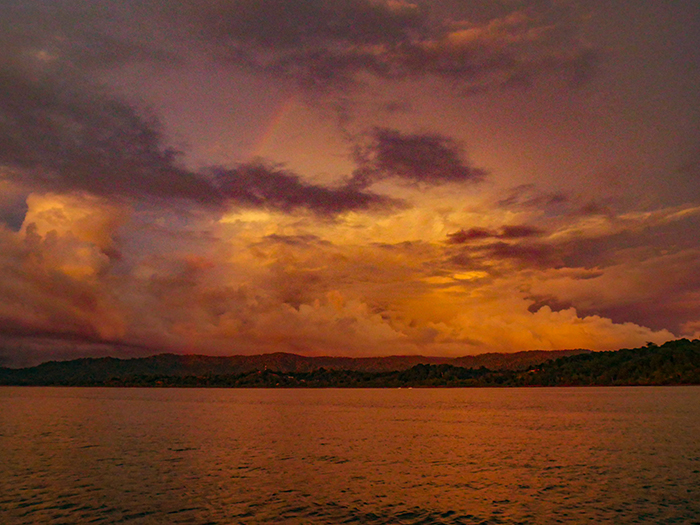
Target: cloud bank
[395, 242]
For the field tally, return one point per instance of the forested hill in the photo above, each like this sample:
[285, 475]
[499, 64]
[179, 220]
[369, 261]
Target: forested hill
[673, 363]
[83, 371]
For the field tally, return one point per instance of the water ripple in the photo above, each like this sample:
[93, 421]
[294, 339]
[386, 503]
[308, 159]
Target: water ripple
[325, 457]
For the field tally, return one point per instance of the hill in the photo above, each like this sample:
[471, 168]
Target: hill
[673, 363]
[99, 370]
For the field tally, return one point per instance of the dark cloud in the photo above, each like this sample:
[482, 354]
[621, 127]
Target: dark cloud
[322, 45]
[691, 167]
[659, 289]
[512, 51]
[13, 210]
[464, 260]
[593, 208]
[607, 248]
[295, 240]
[554, 304]
[529, 196]
[60, 132]
[54, 134]
[73, 36]
[22, 328]
[684, 182]
[260, 186]
[285, 24]
[529, 255]
[395, 106]
[64, 135]
[489, 256]
[326, 45]
[507, 232]
[669, 310]
[19, 352]
[519, 231]
[463, 236]
[419, 158]
[403, 245]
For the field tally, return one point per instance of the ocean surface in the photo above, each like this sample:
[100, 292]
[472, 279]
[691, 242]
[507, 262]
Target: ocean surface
[404, 456]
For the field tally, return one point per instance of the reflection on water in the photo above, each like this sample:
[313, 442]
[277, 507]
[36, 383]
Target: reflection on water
[141, 456]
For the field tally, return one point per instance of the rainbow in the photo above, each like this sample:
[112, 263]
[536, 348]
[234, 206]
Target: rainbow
[271, 132]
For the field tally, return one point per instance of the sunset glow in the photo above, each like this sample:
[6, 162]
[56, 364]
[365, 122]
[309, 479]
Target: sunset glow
[376, 177]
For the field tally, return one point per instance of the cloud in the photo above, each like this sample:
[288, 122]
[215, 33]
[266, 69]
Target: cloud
[24, 351]
[319, 45]
[326, 47]
[422, 158]
[12, 205]
[536, 255]
[605, 222]
[257, 185]
[507, 51]
[55, 281]
[476, 248]
[502, 257]
[294, 240]
[655, 289]
[528, 196]
[393, 107]
[62, 132]
[306, 294]
[518, 231]
[64, 135]
[116, 242]
[77, 36]
[464, 236]
[86, 218]
[281, 24]
[550, 301]
[294, 286]
[512, 326]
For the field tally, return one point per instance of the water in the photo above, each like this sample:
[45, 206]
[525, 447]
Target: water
[143, 456]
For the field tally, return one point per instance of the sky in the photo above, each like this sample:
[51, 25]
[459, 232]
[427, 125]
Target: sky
[347, 177]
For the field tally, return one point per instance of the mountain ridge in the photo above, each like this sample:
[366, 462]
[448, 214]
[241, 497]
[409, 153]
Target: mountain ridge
[180, 365]
[673, 363]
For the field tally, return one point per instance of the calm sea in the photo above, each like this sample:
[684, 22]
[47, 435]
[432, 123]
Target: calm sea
[548, 455]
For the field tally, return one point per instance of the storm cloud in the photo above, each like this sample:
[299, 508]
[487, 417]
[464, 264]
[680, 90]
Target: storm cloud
[65, 135]
[426, 158]
[357, 177]
[332, 45]
[518, 231]
[322, 46]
